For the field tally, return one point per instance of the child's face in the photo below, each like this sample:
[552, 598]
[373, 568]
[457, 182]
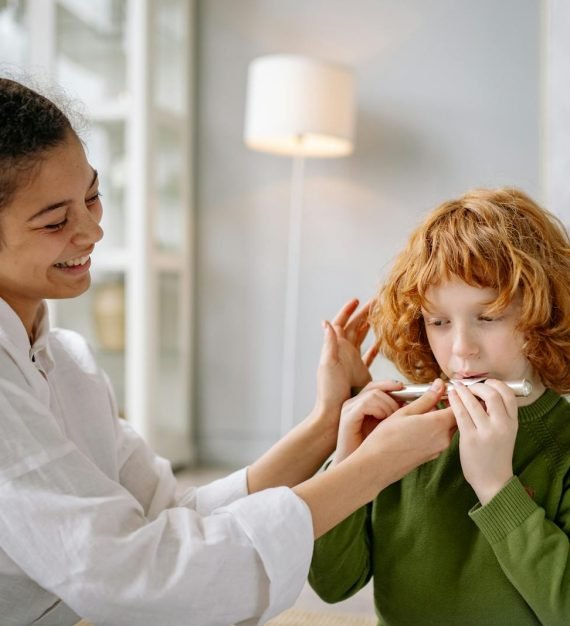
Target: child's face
[469, 342]
[49, 229]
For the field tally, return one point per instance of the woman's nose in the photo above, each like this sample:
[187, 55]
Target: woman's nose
[88, 229]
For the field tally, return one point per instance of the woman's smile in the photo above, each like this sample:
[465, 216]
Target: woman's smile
[75, 266]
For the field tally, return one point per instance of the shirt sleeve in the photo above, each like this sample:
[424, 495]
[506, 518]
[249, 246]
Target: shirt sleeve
[533, 551]
[88, 540]
[149, 478]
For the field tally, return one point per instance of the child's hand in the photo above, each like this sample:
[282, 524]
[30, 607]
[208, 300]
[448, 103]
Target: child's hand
[341, 365]
[487, 434]
[361, 414]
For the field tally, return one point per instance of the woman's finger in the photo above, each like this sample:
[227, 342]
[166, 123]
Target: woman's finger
[372, 400]
[374, 404]
[382, 385]
[358, 326]
[342, 317]
[426, 401]
[361, 333]
[329, 351]
[370, 355]
[390, 404]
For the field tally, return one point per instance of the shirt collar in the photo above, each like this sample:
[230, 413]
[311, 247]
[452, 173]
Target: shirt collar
[13, 331]
[11, 328]
[40, 348]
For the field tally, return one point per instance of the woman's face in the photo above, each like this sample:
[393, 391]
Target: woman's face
[48, 230]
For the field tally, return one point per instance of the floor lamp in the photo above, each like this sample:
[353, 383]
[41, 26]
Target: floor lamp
[300, 107]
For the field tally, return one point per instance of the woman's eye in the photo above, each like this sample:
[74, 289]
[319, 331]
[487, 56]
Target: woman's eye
[487, 318]
[94, 198]
[56, 227]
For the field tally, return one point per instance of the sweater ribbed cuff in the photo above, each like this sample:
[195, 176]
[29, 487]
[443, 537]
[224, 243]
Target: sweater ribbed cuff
[505, 512]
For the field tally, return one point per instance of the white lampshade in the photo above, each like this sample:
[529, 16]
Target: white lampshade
[299, 106]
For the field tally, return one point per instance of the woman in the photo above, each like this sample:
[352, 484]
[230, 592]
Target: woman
[89, 523]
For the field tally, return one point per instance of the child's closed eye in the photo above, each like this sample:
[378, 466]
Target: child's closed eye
[490, 318]
[435, 322]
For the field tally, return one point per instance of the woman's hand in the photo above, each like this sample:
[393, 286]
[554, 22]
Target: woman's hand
[360, 416]
[301, 452]
[487, 433]
[411, 436]
[341, 366]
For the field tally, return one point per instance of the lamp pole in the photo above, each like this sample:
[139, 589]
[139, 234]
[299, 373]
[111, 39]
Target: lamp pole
[292, 296]
[300, 107]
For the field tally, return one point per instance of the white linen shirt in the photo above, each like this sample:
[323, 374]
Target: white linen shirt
[89, 523]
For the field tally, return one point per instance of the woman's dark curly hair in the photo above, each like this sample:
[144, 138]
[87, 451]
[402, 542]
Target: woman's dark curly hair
[30, 125]
[497, 238]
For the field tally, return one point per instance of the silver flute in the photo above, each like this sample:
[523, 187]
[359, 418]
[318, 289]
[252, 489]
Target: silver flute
[521, 387]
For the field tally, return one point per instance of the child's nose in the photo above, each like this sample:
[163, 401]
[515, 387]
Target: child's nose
[465, 343]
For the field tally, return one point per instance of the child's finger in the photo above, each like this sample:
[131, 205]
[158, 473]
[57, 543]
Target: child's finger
[464, 421]
[471, 404]
[507, 395]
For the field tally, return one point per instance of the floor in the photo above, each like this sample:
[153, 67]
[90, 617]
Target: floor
[360, 604]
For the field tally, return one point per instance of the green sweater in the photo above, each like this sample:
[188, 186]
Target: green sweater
[440, 558]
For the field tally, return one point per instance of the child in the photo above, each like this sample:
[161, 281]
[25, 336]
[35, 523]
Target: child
[90, 526]
[480, 535]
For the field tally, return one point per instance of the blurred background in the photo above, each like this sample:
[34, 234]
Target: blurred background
[187, 308]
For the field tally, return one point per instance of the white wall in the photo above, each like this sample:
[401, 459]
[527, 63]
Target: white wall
[448, 99]
[556, 88]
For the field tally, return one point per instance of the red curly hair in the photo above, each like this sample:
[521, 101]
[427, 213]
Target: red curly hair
[497, 238]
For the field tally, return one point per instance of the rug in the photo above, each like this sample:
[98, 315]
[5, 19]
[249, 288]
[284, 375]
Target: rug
[294, 617]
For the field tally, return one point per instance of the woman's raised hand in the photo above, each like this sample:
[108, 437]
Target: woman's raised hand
[341, 366]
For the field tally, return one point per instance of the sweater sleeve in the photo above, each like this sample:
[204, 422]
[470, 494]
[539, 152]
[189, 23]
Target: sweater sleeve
[341, 564]
[533, 551]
